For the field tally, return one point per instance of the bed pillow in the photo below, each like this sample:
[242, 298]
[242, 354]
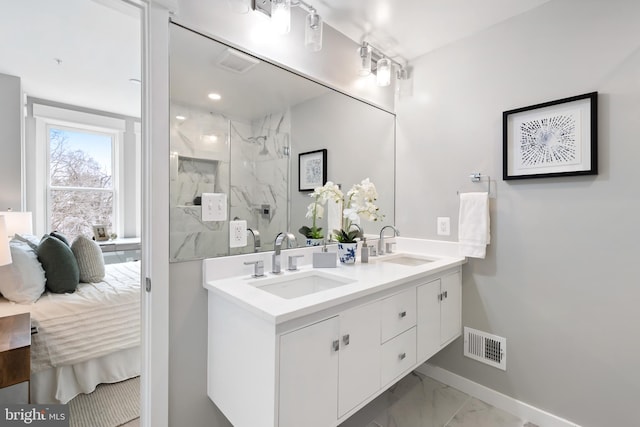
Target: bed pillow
[89, 257]
[23, 280]
[30, 240]
[60, 266]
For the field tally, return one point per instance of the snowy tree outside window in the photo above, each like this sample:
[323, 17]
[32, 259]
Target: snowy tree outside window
[81, 187]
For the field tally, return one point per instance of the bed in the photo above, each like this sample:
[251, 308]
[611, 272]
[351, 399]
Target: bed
[84, 338]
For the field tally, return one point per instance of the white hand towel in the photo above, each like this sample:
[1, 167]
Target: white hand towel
[473, 224]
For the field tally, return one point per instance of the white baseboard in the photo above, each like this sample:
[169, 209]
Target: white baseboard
[494, 398]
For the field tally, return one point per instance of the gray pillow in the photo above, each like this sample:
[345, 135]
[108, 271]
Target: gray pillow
[89, 257]
[60, 265]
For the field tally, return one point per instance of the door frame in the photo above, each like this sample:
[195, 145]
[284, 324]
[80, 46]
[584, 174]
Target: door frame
[154, 38]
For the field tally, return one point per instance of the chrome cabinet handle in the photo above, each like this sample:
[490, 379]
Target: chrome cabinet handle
[402, 313]
[336, 345]
[401, 356]
[445, 294]
[345, 339]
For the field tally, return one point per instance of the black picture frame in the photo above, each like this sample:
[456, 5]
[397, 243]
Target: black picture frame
[312, 169]
[553, 139]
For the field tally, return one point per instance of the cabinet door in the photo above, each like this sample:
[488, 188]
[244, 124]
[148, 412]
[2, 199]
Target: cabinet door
[428, 320]
[359, 370]
[309, 375]
[451, 307]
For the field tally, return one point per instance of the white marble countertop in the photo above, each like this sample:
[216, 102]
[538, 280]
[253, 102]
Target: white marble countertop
[366, 279]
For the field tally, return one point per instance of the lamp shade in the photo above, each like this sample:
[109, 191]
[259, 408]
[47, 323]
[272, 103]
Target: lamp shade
[281, 15]
[383, 76]
[313, 31]
[18, 222]
[5, 251]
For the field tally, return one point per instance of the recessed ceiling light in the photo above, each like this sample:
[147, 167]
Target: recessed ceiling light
[181, 118]
[135, 81]
[214, 96]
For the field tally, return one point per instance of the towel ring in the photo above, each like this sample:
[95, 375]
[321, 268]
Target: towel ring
[477, 177]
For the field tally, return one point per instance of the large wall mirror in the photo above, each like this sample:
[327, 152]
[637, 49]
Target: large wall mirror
[238, 125]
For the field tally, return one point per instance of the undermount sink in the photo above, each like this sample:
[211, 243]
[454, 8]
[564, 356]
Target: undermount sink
[404, 259]
[300, 284]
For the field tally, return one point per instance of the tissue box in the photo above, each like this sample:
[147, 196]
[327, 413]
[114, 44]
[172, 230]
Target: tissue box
[325, 259]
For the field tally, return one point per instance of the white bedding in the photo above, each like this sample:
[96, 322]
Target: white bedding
[96, 320]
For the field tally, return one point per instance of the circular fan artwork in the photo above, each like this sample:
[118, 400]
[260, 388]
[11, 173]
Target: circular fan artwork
[548, 141]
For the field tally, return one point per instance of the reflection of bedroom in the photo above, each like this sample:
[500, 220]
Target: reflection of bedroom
[70, 206]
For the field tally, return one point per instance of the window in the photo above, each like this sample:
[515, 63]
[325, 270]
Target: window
[81, 188]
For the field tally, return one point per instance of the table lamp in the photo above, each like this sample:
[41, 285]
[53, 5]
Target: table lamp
[5, 250]
[18, 223]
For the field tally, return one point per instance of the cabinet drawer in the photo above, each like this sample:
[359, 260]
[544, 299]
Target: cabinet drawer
[398, 314]
[398, 356]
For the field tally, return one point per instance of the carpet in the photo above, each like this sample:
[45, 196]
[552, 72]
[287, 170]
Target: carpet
[110, 405]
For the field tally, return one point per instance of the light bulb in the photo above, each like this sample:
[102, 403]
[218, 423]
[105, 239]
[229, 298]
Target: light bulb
[364, 54]
[313, 31]
[281, 15]
[383, 74]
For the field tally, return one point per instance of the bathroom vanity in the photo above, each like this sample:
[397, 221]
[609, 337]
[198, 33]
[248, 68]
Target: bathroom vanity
[311, 347]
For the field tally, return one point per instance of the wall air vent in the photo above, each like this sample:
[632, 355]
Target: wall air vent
[236, 62]
[486, 348]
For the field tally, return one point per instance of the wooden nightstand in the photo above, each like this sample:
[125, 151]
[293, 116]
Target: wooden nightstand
[15, 350]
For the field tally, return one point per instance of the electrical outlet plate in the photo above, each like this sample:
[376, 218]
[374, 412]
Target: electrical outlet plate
[444, 225]
[237, 234]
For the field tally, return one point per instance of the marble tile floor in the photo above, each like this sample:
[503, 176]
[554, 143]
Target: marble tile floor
[419, 401]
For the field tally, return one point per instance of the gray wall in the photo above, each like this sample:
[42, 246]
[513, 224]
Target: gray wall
[559, 281]
[189, 404]
[10, 137]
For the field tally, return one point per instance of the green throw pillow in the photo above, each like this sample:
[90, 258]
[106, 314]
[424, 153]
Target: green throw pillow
[61, 237]
[60, 266]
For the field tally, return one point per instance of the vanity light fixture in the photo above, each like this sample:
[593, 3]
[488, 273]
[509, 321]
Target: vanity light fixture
[373, 60]
[383, 73]
[313, 31]
[364, 52]
[280, 13]
[215, 96]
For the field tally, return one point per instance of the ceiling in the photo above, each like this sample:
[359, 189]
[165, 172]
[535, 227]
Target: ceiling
[84, 52]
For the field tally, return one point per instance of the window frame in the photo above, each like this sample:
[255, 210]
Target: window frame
[39, 118]
[116, 141]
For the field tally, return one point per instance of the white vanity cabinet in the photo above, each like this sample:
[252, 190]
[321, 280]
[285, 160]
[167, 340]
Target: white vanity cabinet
[338, 354]
[317, 369]
[439, 313]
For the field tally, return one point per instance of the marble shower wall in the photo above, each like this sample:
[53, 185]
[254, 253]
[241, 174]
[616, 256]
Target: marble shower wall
[260, 176]
[247, 161]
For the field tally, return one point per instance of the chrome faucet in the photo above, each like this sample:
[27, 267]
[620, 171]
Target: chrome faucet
[277, 247]
[381, 246]
[256, 239]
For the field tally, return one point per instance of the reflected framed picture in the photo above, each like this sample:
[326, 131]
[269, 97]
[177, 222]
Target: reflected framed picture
[556, 138]
[312, 169]
[100, 233]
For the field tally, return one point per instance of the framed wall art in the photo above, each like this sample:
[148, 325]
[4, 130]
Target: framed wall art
[312, 169]
[556, 138]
